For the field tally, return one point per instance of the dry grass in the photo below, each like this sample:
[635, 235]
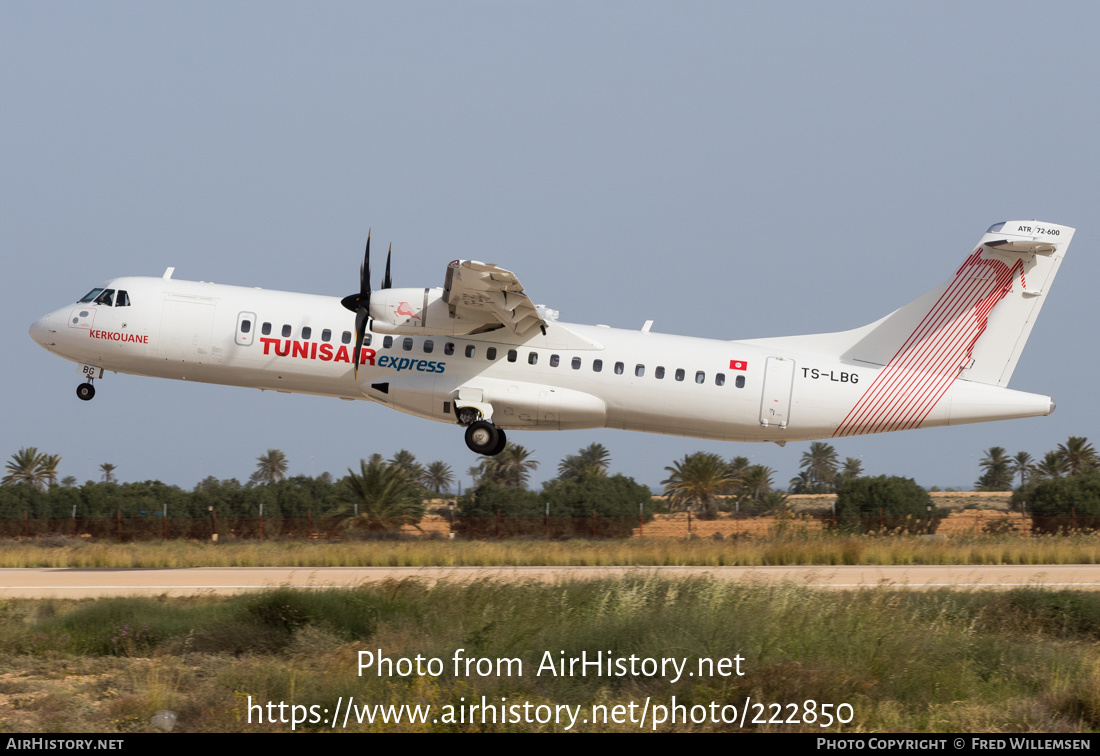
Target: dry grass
[797, 540]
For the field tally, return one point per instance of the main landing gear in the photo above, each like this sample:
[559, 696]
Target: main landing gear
[85, 390]
[485, 438]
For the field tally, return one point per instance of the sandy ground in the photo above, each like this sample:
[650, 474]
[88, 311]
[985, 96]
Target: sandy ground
[88, 583]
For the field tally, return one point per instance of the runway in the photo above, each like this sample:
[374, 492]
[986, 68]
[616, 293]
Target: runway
[95, 583]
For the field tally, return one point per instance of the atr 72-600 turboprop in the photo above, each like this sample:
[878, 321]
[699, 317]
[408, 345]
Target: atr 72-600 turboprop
[479, 354]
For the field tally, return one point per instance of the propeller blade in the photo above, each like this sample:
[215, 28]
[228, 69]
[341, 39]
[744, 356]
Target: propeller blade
[387, 282]
[364, 272]
[361, 306]
[354, 301]
[360, 330]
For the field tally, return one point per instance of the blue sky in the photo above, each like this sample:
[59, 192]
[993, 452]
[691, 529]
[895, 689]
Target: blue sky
[729, 170]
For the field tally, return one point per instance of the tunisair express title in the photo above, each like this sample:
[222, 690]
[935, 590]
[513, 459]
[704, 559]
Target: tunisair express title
[311, 350]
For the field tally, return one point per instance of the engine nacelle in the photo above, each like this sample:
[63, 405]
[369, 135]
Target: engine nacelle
[418, 311]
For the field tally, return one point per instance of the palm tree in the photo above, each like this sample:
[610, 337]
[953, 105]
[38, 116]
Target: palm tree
[270, 467]
[439, 476]
[383, 496]
[593, 460]
[512, 467]
[998, 470]
[405, 461]
[1022, 465]
[852, 469]
[68, 481]
[108, 472]
[801, 483]
[757, 481]
[1052, 466]
[698, 479]
[475, 472]
[775, 501]
[739, 463]
[49, 468]
[820, 463]
[28, 466]
[1078, 454]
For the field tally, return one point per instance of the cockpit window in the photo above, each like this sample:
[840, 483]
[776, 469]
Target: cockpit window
[107, 297]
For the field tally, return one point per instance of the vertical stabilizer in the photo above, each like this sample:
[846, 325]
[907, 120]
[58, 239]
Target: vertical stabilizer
[973, 327]
[978, 321]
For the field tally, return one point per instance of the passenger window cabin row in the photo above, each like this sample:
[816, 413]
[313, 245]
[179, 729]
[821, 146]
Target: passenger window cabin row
[306, 334]
[470, 351]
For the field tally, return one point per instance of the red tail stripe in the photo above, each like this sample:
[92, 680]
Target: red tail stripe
[943, 357]
[934, 354]
[892, 379]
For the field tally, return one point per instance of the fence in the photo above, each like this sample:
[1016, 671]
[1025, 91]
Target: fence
[123, 529]
[681, 525]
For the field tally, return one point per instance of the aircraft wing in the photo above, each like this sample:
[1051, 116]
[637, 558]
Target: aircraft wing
[482, 291]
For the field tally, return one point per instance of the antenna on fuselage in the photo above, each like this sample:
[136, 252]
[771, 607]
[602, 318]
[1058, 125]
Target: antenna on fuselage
[168, 273]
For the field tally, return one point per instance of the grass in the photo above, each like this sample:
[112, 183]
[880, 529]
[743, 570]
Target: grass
[791, 548]
[930, 661]
[935, 661]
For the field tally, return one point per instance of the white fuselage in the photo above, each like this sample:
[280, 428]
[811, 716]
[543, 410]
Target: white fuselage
[571, 376]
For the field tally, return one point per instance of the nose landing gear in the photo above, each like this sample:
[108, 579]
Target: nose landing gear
[85, 390]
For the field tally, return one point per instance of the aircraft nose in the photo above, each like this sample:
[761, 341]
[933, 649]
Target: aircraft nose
[40, 330]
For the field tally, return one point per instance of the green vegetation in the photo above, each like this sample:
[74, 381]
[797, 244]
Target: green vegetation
[573, 503]
[380, 497]
[396, 493]
[511, 468]
[1024, 660]
[1061, 505]
[885, 503]
[1060, 496]
[696, 482]
[594, 459]
[29, 467]
[704, 484]
[998, 471]
[270, 467]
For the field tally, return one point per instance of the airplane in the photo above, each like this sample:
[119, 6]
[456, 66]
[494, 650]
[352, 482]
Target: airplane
[478, 353]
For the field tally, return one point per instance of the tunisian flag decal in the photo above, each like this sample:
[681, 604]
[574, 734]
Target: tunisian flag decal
[738, 365]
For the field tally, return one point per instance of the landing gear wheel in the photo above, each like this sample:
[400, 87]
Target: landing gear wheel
[482, 438]
[85, 391]
[501, 441]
